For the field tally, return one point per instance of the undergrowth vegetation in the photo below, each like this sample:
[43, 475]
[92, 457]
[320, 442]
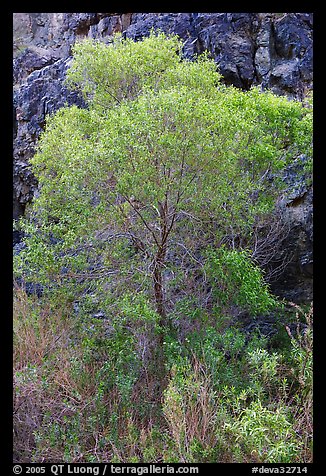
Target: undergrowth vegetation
[80, 396]
[142, 262]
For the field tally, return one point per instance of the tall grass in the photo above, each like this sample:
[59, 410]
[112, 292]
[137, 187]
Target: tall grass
[227, 398]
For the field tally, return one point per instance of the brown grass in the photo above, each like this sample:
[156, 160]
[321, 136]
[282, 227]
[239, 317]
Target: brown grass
[39, 336]
[48, 391]
[191, 413]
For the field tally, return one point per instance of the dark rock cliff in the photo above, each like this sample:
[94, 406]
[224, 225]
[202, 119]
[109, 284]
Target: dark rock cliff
[269, 49]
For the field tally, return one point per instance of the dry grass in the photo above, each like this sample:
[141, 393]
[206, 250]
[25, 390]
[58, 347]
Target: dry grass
[38, 332]
[40, 336]
[48, 392]
[303, 341]
[56, 388]
[191, 413]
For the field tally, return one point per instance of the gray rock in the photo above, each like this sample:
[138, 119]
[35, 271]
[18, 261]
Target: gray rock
[295, 283]
[42, 93]
[181, 24]
[28, 61]
[30, 288]
[249, 48]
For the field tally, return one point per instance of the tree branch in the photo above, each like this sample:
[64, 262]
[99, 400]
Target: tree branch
[143, 220]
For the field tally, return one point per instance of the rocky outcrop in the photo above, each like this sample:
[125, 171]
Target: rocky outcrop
[42, 51]
[274, 50]
[267, 49]
[295, 282]
[42, 93]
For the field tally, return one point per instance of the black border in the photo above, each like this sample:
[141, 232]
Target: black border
[7, 190]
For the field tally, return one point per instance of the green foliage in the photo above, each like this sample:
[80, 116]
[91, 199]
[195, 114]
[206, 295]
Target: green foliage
[227, 397]
[265, 434]
[236, 279]
[301, 360]
[248, 401]
[189, 410]
[163, 163]
[157, 131]
[110, 74]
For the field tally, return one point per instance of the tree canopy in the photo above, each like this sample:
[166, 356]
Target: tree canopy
[163, 162]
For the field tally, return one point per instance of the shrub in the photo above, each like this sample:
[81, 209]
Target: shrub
[189, 410]
[236, 279]
[261, 434]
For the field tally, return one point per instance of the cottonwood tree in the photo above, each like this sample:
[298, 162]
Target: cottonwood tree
[164, 160]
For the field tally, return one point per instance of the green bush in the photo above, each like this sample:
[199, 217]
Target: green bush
[236, 279]
[264, 435]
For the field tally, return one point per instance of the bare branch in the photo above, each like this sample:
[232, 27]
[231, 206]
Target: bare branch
[142, 219]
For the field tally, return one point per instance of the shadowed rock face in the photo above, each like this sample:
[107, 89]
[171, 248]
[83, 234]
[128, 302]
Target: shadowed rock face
[274, 50]
[296, 280]
[42, 93]
[267, 49]
[42, 50]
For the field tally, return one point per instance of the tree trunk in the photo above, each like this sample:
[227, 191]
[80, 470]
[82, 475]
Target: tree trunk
[159, 291]
[158, 287]
[159, 264]
[158, 283]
